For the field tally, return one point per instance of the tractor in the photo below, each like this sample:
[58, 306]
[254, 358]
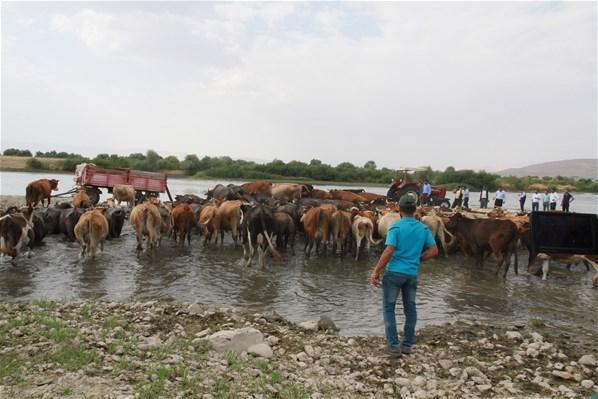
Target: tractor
[410, 185]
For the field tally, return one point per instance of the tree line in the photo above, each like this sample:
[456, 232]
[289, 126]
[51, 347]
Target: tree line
[225, 167]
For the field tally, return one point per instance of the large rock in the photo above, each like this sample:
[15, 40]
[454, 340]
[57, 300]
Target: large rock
[150, 343]
[309, 325]
[588, 360]
[261, 350]
[239, 340]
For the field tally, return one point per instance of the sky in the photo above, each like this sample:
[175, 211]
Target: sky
[472, 85]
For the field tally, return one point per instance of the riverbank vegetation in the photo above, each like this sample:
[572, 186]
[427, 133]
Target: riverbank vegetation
[225, 167]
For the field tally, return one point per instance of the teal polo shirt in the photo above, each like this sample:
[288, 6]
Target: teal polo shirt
[409, 237]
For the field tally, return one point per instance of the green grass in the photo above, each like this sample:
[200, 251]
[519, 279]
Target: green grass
[72, 358]
[537, 322]
[111, 322]
[9, 366]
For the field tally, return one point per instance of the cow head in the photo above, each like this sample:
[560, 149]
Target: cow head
[454, 221]
[54, 184]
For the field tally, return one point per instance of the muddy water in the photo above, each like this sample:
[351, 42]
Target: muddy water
[299, 288]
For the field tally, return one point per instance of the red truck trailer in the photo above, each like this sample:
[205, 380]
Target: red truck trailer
[93, 178]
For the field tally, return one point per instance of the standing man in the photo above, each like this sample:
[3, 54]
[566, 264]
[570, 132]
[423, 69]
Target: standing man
[484, 198]
[546, 202]
[536, 198]
[405, 241]
[458, 197]
[499, 198]
[554, 199]
[522, 198]
[567, 200]
[426, 192]
[466, 197]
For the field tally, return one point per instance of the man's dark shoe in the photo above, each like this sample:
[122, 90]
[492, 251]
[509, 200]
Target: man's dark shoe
[405, 350]
[392, 351]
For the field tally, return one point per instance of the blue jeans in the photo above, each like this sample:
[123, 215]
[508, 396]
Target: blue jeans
[392, 284]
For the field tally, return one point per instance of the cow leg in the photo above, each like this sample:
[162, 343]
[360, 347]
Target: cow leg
[189, 236]
[442, 242]
[357, 245]
[545, 268]
[309, 245]
[260, 250]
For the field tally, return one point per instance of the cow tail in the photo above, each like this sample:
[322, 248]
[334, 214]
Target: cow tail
[370, 235]
[240, 216]
[275, 253]
[28, 194]
[317, 224]
[453, 238]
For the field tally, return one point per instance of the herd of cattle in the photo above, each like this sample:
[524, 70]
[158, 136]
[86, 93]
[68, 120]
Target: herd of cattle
[263, 216]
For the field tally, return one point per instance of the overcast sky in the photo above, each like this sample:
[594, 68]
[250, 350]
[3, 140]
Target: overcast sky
[473, 85]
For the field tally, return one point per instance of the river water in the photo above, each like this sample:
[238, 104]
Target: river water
[298, 288]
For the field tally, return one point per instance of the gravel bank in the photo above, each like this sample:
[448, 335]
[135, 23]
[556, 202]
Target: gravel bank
[156, 349]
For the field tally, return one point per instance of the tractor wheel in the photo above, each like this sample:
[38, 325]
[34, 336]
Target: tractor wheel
[445, 203]
[94, 194]
[391, 194]
[139, 197]
[407, 189]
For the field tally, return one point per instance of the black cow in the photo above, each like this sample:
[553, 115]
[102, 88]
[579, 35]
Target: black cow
[258, 223]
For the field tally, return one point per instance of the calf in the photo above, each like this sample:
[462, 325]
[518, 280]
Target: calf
[147, 222]
[116, 219]
[207, 222]
[39, 190]
[16, 233]
[68, 220]
[284, 230]
[81, 199]
[483, 235]
[182, 216]
[341, 231]
[91, 230]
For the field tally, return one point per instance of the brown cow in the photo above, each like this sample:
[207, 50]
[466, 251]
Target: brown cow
[124, 192]
[316, 223]
[145, 219]
[16, 233]
[484, 235]
[346, 196]
[183, 216]
[81, 199]
[319, 194]
[228, 217]
[39, 190]
[372, 197]
[257, 187]
[91, 230]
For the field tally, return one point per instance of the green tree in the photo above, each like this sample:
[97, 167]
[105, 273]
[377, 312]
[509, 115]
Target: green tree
[369, 165]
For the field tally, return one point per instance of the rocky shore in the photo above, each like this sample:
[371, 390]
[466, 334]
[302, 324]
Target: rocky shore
[159, 349]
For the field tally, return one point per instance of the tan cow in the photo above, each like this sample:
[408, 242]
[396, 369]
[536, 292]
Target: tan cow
[287, 191]
[316, 224]
[363, 229]
[257, 187]
[124, 192]
[167, 222]
[183, 216]
[438, 229]
[319, 194]
[147, 222]
[81, 199]
[207, 222]
[386, 221]
[228, 217]
[91, 230]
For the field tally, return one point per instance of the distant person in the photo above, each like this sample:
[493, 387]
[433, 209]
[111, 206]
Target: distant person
[566, 201]
[458, 196]
[500, 198]
[522, 198]
[536, 198]
[554, 199]
[408, 243]
[484, 198]
[466, 197]
[426, 192]
[546, 201]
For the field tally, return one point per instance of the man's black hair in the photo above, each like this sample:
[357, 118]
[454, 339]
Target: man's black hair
[407, 209]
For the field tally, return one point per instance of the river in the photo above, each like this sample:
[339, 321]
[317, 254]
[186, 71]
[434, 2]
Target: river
[298, 288]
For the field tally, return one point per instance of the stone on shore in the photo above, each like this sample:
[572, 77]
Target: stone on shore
[238, 340]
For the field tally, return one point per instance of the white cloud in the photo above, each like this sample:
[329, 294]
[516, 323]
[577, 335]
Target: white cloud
[469, 84]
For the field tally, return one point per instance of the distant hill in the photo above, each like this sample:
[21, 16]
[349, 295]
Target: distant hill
[581, 168]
